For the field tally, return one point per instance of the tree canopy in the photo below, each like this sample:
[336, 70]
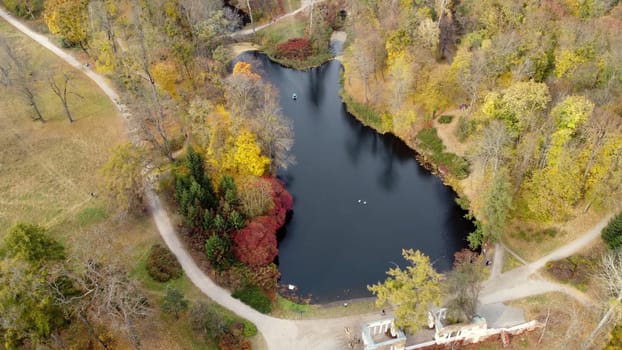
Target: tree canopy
[411, 291]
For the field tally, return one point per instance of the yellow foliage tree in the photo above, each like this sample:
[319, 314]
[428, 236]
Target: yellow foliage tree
[67, 18]
[165, 74]
[248, 158]
[245, 69]
[410, 291]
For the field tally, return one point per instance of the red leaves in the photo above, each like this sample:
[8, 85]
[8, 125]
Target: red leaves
[282, 200]
[296, 48]
[256, 244]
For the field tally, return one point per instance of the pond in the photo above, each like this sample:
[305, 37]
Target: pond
[359, 197]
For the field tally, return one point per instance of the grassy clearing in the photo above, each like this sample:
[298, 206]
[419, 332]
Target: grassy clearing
[49, 170]
[283, 30]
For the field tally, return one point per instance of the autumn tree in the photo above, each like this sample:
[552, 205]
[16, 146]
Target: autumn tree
[256, 244]
[255, 101]
[122, 176]
[27, 310]
[518, 106]
[410, 291]
[25, 8]
[464, 283]
[28, 313]
[551, 192]
[491, 148]
[30, 243]
[68, 18]
[151, 104]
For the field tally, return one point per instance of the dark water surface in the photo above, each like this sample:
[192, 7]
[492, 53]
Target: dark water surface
[334, 246]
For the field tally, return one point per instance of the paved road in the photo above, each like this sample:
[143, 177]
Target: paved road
[326, 334]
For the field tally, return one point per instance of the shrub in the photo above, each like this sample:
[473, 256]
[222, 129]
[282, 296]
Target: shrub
[530, 235]
[296, 48]
[162, 265]
[429, 141]
[575, 270]
[254, 297]
[612, 233]
[250, 330]
[445, 119]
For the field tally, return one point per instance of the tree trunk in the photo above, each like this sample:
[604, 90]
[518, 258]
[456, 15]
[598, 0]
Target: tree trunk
[31, 100]
[67, 112]
[91, 330]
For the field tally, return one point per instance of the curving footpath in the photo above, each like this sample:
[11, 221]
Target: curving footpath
[326, 334]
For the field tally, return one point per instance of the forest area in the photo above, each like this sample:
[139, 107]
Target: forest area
[532, 89]
[537, 88]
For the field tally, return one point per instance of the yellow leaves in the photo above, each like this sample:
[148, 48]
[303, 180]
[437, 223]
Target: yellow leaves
[565, 62]
[397, 42]
[232, 151]
[568, 60]
[245, 69]
[410, 291]
[104, 56]
[68, 19]
[572, 112]
[165, 76]
[248, 158]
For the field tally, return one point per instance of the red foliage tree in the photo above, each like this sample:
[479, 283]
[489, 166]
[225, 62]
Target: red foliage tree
[282, 202]
[256, 244]
[296, 48]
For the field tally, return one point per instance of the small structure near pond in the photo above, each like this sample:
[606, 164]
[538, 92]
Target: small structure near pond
[383, 335]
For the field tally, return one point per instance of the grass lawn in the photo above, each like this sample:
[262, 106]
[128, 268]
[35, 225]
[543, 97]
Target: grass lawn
[48, 171]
